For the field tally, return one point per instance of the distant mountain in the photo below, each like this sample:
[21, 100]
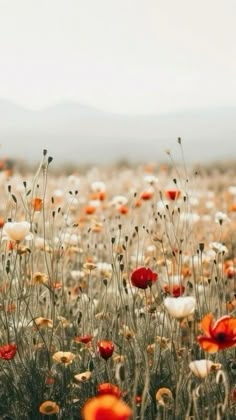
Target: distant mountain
[81, 134]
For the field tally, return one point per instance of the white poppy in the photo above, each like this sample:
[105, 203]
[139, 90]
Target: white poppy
[201, 368]
[180, 307]
[17, 231]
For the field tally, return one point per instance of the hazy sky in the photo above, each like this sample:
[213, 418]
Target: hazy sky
[129, 56]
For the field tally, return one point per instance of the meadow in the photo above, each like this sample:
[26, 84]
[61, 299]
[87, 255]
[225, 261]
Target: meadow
[118, 292]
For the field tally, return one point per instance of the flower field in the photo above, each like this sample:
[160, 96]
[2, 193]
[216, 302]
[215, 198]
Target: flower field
[118, 293]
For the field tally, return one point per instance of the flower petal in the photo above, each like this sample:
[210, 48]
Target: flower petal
[225, 325]
[206, 324]
[208, 344]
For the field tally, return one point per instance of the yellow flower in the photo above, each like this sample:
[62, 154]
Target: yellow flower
[64, 357]
[39, 278]
[49, 408]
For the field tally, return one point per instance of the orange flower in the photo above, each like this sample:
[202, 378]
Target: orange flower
[2, 221]
[90, 209]
[219, 336]
[107, 388]
[106, 407]
[49, 408]
[37, 204]
[146, 195]
[123, 209]
[43, 322]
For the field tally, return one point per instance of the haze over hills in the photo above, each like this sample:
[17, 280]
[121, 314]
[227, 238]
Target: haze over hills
[81, 134]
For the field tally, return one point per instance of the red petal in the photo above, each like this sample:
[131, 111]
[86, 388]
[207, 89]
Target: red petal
[208, 344]
[225, 325]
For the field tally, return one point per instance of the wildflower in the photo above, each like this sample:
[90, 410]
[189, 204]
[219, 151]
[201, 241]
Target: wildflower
[77, 275]
[162, 341]
[50, 380]
[151, 179]
[2, 221]
[219, 336]
[64, 357]
[106, 407]
[172, 194]
[143, 277]
[173, 285]
[17, 231]
[104, 269]
[218, 247]
[105, 348]
[138, 400]
[123, 210]
[107, 388]
[163, 393]
[175, 290]
[83, 377]
[43, 322]
[39, 278]
[90, 209]
[98, 186]
[201, 368]
[146, 195]
[180, 307]
[8, 351]
[89, 266]
[119, 200]
[49, 408]
[37, 203]
[86, 339]
[99, 190]
[126, 332]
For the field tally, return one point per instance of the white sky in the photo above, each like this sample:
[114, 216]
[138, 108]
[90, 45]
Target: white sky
[129, 56]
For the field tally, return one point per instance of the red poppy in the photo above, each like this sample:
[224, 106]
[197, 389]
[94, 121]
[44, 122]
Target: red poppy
[143, 277]
[219, 336]
[146, 195]
[105, 348]
[175, 290]
[83, 339]
[123, 209]
[8, 351]
[173, 194]
[107, 388]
